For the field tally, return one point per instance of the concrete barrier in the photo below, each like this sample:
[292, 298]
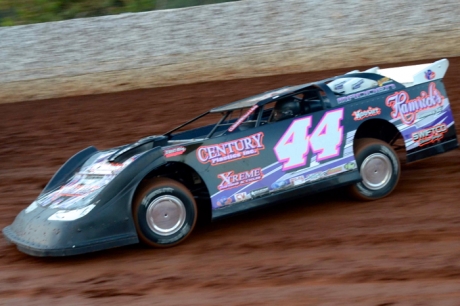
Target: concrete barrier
[216, 42]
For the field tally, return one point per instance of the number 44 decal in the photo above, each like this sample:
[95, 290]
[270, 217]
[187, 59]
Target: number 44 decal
[325, 141]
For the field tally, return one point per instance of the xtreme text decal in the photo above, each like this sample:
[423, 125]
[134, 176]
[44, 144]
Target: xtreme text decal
[406, 109]
[232, 150]
[231, 179]
[430, 135]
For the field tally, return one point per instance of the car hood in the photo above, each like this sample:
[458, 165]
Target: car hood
[86, 183]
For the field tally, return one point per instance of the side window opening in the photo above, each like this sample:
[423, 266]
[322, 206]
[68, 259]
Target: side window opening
[287, 107]
[267, 113]
[313, 101]
[307, 102]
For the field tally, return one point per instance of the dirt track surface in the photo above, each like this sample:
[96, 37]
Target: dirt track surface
[324, 250]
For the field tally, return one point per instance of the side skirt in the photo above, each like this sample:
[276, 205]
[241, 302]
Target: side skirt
[325, 184]
[438, 149]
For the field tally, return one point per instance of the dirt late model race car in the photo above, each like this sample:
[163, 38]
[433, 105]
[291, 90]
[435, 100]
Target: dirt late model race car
[276, 145]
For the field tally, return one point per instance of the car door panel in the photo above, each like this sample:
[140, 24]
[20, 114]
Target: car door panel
[242, 166]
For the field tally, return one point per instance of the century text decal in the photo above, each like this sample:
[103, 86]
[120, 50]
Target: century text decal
[406, 109]
[369, 112]
[231, 179]
[232, 150]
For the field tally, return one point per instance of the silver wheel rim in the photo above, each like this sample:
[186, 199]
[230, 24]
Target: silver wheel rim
[165, 215]
[376, 171]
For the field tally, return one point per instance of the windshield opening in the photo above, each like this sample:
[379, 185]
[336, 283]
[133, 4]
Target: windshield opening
[210, 125]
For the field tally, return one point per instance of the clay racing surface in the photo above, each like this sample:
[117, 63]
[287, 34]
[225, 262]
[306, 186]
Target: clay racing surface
[326, 249]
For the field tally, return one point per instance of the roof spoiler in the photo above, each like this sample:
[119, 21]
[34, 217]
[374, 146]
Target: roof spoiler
[417, 74]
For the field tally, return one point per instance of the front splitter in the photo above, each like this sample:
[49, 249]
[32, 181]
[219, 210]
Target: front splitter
[44, 251]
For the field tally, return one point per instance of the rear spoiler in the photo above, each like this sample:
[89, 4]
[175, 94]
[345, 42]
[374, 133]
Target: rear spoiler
[406, 75]
[417, 74]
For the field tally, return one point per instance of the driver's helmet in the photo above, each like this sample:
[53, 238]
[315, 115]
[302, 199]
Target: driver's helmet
[286, 108]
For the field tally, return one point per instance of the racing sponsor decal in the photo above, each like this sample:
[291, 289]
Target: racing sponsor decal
[276, 180]
[383, 81]
[232, 150]
[325, 140]
[85, 184]
[334, 171]
[104, 168]
[339, 85]
[406, 109]
[314, 176]
[236, 198]
[357, 84]
[430, 135]
[174, 151]
[285, 183]
[429, 74]
[298, 180]
[369, 112]
[259, 192]
[231, 179]
[428, 113]
[242, 196]
[280, 184]
[244, 117]
[71, 215]
[366, 93]
[224, 201]
[82, 188]
[349, 166]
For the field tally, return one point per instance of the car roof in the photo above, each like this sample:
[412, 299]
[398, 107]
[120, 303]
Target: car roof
[268, 96]
[260, 98]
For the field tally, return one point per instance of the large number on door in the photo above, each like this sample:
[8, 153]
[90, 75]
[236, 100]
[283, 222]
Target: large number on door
[325, 140]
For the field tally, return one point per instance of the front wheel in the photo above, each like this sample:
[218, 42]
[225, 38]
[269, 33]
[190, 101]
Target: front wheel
[379, 167]
[164, 212]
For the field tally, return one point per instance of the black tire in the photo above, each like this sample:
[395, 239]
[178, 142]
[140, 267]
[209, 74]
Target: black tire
[164, 212]
[381, 171]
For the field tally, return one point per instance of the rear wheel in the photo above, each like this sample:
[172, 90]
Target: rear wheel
[379, 166]
[164, 212]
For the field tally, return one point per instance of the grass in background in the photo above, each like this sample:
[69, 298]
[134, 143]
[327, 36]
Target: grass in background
[19, 12]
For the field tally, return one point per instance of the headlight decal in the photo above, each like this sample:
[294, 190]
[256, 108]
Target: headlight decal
[71, 215]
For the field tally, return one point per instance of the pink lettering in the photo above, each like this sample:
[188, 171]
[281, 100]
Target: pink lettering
[232, 180]
[406, 109]
[232, 150]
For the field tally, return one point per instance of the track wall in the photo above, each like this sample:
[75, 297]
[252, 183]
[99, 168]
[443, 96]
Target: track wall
[217, 42]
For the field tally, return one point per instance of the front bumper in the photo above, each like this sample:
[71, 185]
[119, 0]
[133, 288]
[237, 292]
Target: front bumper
[102, 228]
[42, 250]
